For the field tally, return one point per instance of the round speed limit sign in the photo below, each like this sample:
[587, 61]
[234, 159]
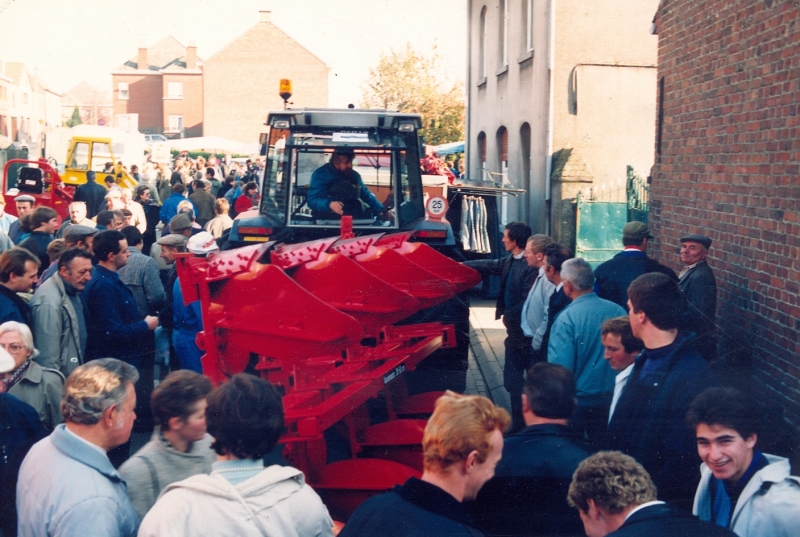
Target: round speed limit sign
[436, 207]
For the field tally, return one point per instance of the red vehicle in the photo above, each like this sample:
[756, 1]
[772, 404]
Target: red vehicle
[40, 179]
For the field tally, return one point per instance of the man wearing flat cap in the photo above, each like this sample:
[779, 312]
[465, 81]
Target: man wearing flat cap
[76, 236]
[180, 224]
[700, 289]
[613, 277]
[24, 204]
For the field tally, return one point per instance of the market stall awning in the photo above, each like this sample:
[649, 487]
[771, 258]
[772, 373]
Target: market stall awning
[448, 149]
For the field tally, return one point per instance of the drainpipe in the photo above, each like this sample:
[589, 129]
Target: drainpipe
[550, 66]
[467, 108]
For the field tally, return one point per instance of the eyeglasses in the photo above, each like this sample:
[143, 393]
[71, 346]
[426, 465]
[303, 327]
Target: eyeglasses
[14, 347]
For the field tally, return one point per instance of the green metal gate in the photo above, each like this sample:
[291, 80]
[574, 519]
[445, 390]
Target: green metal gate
[603, 211]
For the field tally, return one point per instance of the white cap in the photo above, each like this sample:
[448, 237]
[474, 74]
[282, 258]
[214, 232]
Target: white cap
[202, 243]
[7, 363]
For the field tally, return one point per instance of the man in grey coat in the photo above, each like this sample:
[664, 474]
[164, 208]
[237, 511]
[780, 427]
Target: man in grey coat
[67, 485]
[57, 313]
[700, 290]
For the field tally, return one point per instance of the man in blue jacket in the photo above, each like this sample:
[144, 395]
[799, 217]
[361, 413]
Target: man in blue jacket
[649, 420]
[170, 206]
[576, 343]
[67, 485]
[114, 326]
[336, 189]
[615, 275]
[528, 493]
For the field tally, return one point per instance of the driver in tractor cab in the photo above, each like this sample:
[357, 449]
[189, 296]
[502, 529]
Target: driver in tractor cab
[336, 189]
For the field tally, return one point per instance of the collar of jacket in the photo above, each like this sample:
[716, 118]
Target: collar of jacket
[683, 337]
[547, 429]
[432, 498]
[75, 449]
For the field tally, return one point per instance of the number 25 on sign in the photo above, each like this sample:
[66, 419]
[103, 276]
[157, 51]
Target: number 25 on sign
[436, 207]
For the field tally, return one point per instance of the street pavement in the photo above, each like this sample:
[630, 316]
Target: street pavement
[487, 353]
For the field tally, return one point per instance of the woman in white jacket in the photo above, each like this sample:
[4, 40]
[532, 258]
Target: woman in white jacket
[241, 497]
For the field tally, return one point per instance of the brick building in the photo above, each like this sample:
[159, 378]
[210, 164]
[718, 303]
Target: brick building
[229, 95]
[241, 81]
[727, 165]
[164, 85]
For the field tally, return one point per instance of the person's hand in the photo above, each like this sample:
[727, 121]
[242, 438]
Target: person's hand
[337, 207]
[152, 322]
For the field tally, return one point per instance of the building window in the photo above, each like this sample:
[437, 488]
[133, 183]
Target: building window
[482, 152]
[503, 33]
[122, 90]
[175, 90]
[175, 123]
[482, 52]
[24, 98]
[529, 23]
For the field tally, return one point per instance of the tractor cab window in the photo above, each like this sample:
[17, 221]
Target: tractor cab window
[101, 153]
[80, 156]
[273, 192]
[329, 182]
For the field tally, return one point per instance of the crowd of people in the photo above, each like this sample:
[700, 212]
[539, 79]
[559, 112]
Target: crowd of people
[618, 424]
[622, 358]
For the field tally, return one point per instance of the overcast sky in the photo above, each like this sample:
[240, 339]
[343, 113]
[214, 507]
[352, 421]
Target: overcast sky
[66, 41]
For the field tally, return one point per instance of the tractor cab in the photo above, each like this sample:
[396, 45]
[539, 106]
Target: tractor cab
[382, 191]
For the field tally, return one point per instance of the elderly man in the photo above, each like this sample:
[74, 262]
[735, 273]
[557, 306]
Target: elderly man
[575, 343]
[77, 236]
[742, 489]
[649, 420]
[67, 485]
[534, 310]
[24, 205]
[19, 271]
[700, 290]
[615, 496]
[57, 313]
[615, 275]
[527, 495]
[92, 194]
[516, 279]
[462, 444]
[77, 217]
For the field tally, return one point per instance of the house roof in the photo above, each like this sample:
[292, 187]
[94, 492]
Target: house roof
[264, 36]
[14, 71]
[168, 52]
[84, 93]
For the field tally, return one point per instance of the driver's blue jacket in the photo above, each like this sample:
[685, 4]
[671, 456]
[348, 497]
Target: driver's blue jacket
[321, 180]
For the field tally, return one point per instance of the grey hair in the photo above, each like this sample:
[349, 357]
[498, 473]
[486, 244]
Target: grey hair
[579, 273]
[24, 332]
[94, 387]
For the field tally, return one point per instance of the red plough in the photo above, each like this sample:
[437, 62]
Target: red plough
[317, 320]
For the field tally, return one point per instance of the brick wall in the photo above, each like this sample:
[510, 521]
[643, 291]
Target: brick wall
[240, 82]
[190, 106]
[728, 167]
[144, 99]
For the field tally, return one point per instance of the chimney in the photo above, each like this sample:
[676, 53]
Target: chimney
[141, 61]
[191, 57]
[266, 15]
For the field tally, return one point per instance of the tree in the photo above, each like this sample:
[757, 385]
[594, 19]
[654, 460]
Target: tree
[75, 119]
[406, 81]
